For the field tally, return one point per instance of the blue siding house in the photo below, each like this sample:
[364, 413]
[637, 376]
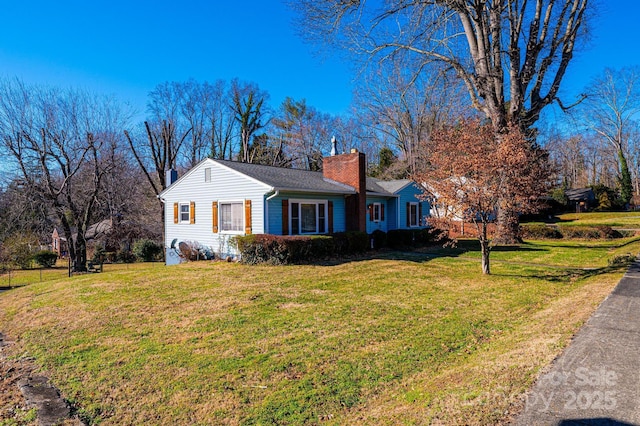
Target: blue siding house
[219, 199]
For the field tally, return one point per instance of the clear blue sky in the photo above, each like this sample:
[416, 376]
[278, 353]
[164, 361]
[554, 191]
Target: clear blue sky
[126, 48]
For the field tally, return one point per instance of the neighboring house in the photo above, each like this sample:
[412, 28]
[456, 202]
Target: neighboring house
[59, 243]
[581, 199]
[218, 199]
[96, 231]
[99, 230]
[108, 234]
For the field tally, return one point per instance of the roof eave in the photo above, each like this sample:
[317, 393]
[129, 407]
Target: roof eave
[315, 191]
[382, 194]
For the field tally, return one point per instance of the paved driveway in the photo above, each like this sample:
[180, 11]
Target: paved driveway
[596, 381]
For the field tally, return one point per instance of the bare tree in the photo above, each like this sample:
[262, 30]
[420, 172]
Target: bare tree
[350, 132]
[158, 153]
[568, 155]
[55, 139]
[250, 114]
[511, 55]
[306, 132]
[633, 146]
[193, 109]
[611, 109]
[403, 110]
[22, 211]
[220, 119]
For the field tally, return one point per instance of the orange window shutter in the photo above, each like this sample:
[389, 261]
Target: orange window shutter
[247, 217]
[175, 212]
[214, 213]
[192, 212]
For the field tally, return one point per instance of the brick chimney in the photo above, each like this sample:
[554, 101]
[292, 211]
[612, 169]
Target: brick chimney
[351, 170]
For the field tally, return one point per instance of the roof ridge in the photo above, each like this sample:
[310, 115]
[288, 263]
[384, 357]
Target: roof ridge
[263, 165]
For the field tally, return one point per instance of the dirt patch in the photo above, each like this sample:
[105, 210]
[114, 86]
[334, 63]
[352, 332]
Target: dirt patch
[26, 398]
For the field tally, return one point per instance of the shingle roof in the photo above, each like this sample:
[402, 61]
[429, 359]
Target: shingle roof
[386, 187]
[393, 186]
[580, 194]
[99, 229]
[288, 179]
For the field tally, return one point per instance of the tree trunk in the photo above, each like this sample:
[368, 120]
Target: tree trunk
[80, 258]
[485, 250]
[626, 187]
[508, 227]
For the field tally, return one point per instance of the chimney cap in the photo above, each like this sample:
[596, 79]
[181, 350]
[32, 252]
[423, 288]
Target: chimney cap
[354, 150]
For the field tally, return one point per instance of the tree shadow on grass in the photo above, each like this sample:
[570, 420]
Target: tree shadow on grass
[425, 254]
[599, 421]
[563, 275]
[624, 243]
[528, 270]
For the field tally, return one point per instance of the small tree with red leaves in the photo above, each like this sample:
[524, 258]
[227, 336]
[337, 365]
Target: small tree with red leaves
[471, 174]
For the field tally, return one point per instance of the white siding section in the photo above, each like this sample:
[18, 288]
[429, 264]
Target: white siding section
[225, 185]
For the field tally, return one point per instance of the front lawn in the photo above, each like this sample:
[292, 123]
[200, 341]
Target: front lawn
[398, 339]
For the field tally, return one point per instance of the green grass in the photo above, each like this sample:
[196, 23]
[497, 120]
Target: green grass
[628, 220]
[398, 339]
[564, 254]
[20, 277]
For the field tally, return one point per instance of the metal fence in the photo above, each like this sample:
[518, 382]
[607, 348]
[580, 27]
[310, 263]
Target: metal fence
[18, 277]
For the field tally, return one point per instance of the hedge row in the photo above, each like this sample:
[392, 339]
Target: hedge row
[538, 232]
[408, 238]
[281, 250]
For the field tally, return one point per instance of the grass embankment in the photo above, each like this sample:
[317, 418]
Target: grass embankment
[394, 340]
[627, 220]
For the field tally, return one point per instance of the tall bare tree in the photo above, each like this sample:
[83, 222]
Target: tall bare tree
[511, 55]
[250, 109]
[611, 111]
[306, 133]
[157, 152]
[220, 119]
[55, 140]
[394, 105]
[193, 109]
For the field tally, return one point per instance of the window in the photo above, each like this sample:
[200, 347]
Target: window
[231, 217]
[207, 174]
[414, 217]
[376, 212]
[308, 217]
[184, 213]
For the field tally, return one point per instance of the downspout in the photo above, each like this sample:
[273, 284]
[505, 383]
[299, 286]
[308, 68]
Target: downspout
[266, 208]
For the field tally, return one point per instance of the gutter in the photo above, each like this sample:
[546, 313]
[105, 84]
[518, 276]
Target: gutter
[274, 195]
